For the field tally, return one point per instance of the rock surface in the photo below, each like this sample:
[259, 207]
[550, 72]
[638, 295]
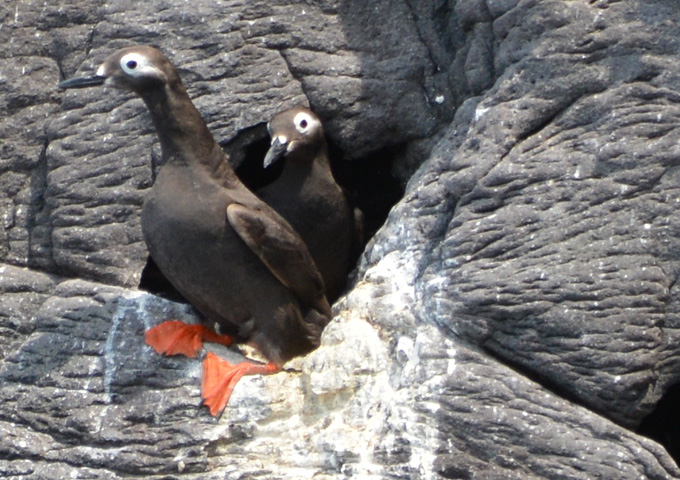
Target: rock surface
[516, 317]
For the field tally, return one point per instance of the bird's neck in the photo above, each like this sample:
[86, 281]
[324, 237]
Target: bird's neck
[184, 136]
[299, 167]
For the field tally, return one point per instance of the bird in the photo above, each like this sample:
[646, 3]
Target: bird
[307, 195]
[237, 261]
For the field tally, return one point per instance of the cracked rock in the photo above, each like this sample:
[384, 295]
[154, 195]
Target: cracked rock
[515, 317]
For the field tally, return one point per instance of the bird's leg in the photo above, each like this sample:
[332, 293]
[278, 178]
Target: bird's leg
[178, 338]
[220, 377]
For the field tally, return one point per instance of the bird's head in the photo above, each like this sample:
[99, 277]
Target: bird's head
[296, 132]
[138, 69]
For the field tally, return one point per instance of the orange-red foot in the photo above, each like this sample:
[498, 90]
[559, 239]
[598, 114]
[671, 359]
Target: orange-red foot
[220, 377]
[178, 338]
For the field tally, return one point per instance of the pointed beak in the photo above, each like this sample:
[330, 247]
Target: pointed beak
[276, 151]
[82, 82]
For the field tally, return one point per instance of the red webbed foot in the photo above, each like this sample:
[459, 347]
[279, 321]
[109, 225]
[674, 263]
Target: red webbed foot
[220, 377]
[178, 338]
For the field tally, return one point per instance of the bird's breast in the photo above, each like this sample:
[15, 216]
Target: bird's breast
[184, 204]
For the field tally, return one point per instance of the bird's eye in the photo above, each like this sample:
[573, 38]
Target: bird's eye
[303, 122]
[133, 64]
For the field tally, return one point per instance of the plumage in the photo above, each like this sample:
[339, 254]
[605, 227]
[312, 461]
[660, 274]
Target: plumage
[307, 195]
[229, 254]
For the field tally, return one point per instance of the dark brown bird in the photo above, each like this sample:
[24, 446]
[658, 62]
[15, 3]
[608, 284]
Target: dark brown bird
[228, 253]
[307, 195]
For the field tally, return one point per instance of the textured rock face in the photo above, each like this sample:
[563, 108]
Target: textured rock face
[516, 316]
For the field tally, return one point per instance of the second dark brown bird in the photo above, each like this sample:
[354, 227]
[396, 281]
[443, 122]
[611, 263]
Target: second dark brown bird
[307, 195]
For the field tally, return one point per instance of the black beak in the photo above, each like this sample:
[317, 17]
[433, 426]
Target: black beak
[276, 151]
[82, 82]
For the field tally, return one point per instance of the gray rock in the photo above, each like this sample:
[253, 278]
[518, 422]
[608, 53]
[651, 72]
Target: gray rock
[515, 317]
[23, 291]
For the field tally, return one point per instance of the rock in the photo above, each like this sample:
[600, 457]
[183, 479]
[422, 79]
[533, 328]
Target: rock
[86, 395]
[515, 317]
[23, 291]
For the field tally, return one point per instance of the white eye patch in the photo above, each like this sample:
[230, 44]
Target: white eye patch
[304, 122]
[133, 63]
[137, 65]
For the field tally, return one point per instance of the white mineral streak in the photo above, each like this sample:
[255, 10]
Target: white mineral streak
[356, 396]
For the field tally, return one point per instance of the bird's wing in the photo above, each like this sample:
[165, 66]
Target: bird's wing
[281, 249]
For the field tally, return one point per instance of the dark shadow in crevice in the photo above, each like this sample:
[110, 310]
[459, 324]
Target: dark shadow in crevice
[663, 424]
[153, 281]
[368, 183]
[246, 153]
